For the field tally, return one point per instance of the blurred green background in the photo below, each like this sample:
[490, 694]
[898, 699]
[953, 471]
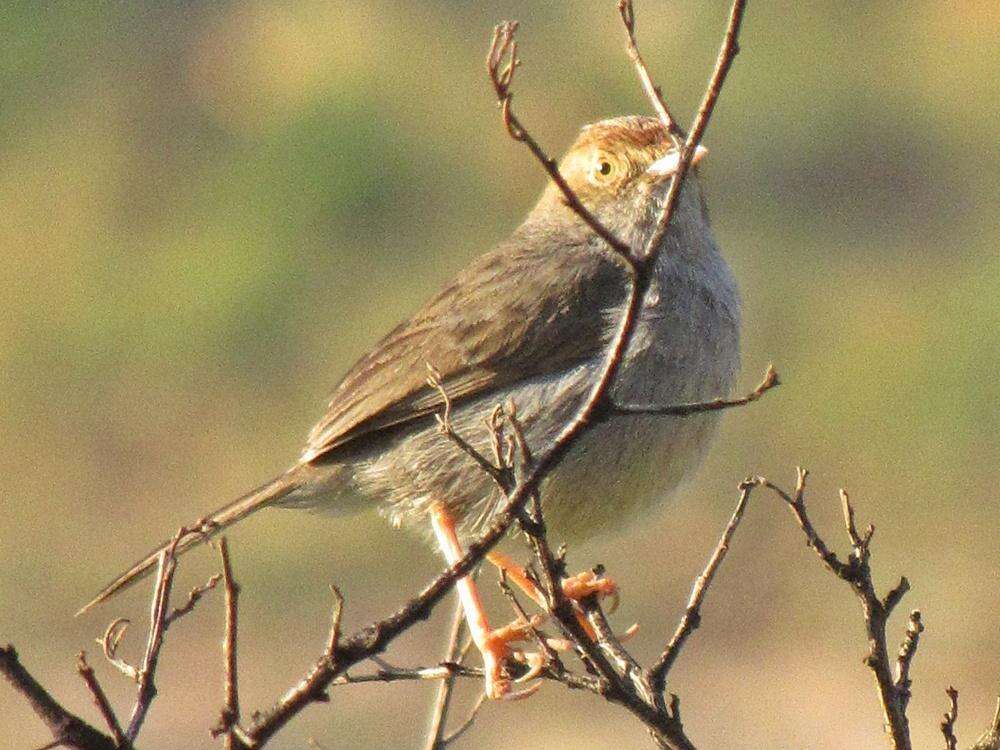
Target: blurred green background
[210, 209]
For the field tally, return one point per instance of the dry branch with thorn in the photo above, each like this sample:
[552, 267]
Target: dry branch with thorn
[609, 671]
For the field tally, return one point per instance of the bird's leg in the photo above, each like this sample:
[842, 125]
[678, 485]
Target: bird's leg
[492, 644]
[589, 582]
[518, 576]
[575, 587]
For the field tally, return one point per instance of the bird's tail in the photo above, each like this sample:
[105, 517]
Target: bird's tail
[205, 528]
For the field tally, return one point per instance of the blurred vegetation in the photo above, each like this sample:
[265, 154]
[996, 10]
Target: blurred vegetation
[209, 209]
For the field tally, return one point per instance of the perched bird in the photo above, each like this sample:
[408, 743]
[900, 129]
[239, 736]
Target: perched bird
[530, 322]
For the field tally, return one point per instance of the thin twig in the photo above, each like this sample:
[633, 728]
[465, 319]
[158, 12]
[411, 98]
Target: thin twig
[469, 721]
[68, 729]
[948, 722]
[166, 566]
[110, 641]
[160, 618]
[408, 674]
[439, 713]
[333, 639]
[683, 410]
[501, 63]
[658, 672]
[907, 650]
[727, 53]
[100, 700]
[796, 504]
[194, 596]
[229, 715]
[653, 92]
[856, 571]
[611, 646]
[445, 669]
[496, 472]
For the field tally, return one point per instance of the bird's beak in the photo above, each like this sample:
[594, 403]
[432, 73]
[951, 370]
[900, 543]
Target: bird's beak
[667, 165]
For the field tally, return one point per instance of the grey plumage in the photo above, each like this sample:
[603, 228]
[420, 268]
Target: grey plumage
[531, 322]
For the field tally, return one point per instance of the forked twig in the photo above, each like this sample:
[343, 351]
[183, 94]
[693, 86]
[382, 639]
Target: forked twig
[67, 729]
[166, 566]
[160, 618]
[194, 596]
[443, 418]
[501, 63]
[855, 571]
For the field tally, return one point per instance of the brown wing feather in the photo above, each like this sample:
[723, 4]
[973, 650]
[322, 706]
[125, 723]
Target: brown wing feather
[524, 310]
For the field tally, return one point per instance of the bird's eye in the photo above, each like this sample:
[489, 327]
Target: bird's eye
[605, 169]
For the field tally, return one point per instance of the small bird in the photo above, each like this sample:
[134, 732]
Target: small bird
[530, 323]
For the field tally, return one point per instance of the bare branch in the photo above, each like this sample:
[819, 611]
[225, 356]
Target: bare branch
[501, 63]
[904, 658]
[229, 715]
[439, 714]
[100, 700]
[893, 695]
[160, 618]
[68, 729]
[770, 381]
[796, 504]
[657, 674]
[948, 722]
[166, 566]
[653, 92]
[730, 48]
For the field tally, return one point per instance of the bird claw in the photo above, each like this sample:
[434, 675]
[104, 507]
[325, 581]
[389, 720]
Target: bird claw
[590, 583]
[518, 695]
[498, 684]
[629, 633]
[536, 663]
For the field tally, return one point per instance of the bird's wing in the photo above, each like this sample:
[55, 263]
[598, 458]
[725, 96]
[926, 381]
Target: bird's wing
[523, 310]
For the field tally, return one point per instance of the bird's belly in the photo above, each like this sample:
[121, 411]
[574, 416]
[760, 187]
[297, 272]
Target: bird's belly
[621, 470]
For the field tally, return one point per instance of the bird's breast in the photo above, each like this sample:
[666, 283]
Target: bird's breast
[685, 349]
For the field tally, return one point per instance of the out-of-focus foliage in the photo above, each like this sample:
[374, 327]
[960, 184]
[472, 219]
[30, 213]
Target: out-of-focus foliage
[209, 209]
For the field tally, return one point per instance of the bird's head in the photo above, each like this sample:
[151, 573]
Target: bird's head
[620, 169]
